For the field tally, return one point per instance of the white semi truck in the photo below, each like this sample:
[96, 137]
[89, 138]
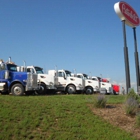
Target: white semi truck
[66, 82]
[104, 86]
[91, 86]
[47, 82]
[16, 82]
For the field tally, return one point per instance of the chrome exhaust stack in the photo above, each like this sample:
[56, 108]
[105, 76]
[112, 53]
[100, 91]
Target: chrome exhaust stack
[23, 68]
[9, 60]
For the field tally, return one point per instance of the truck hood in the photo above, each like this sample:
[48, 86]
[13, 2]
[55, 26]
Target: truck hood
[106, 84]
[47, 78]
[92, 83]
[75, 80]
[18, 75]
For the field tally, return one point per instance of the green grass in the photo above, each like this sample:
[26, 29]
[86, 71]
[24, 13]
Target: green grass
[58, 117]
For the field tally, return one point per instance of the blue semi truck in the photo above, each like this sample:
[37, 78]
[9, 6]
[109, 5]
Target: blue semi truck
[15, 82]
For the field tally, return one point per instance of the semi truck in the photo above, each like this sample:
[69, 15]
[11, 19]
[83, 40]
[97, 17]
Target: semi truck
[104, 87]
[91, 86]
[15, 82]
[48, 83]
[116, 87]
[66, 82]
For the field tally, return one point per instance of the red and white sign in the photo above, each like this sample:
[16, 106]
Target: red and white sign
[127, 13]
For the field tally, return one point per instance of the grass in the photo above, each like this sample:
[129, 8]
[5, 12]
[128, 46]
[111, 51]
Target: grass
[58, 117]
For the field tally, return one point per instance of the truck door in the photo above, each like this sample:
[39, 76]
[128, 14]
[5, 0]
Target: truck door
[98, 83]
[61, 80]
[83, 80]
[30, 70]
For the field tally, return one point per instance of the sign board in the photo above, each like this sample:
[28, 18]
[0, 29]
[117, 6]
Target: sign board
[127, 13]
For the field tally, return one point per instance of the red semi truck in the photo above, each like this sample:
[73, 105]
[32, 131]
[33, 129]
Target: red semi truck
[116, 88]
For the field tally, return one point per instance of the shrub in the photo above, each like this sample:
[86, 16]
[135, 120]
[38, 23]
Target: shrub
[132, 94]
[100, 101]
[131, 106]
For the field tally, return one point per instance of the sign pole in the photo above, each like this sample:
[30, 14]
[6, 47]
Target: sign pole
[136, 60]
[129, 16]
[127, 73]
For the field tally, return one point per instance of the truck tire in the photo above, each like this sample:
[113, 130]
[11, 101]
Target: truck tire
[71, 89]
[42, 89]
[17, 90]
[89, 90]
[114, 92]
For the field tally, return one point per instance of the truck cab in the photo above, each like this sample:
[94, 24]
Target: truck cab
[16, 82]
[47, 82]
[104, 86]
[66, 82]
[91, 86]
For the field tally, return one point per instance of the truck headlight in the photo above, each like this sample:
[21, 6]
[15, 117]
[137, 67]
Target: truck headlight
[72, 79]
[42, 76]
[97, 87]
[80, 85]
[51, 83]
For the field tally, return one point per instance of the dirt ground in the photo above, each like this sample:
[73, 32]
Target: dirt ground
[115, 115]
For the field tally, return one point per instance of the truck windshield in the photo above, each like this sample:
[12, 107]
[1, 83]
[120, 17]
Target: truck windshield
[85, 76]
[12, 67]
[39, 70]
[68, 73]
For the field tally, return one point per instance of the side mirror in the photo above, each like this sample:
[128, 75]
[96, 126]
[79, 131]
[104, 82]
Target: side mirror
[64, 77]
[32, 71]
[2, 66]
[23, 69]
[18, 69]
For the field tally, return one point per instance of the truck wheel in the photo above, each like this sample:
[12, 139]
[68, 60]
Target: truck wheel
[42, 89]
[71, 89]
[17, 90]
[89, 90]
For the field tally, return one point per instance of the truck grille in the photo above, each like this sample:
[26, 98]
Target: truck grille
[32, 81]
[55, 81]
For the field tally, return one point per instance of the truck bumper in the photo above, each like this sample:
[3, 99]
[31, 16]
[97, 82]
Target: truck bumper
[31, 88]
[2, 86]
[96, 90]
[51, 87]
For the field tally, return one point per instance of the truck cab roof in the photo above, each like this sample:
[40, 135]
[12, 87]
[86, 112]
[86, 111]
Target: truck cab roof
[38, 69]
[8, 66]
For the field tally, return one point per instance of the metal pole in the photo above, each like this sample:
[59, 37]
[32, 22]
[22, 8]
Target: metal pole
[136, 59]
[127, 73]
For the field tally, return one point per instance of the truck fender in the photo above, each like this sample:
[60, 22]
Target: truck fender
[15, 82]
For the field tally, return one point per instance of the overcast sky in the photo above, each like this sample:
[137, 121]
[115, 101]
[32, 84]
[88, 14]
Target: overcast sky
[85, 35]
